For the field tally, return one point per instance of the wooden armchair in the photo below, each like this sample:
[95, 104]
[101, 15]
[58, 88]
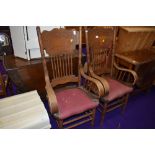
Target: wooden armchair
[117, 81]
[70, 106]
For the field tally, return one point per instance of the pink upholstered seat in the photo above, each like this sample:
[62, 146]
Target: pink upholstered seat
[116, 89]
[73, 101]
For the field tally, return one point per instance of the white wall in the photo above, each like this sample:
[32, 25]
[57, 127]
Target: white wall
[18, 41]
[33, 44]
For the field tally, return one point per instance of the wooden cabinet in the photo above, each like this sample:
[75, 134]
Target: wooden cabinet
[135, 50]
[143, 62]
[135, 38]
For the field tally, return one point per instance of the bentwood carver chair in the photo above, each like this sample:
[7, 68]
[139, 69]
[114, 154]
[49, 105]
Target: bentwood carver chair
[117, 81]
[70, 106]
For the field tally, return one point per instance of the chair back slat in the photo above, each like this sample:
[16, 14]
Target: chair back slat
[98, 58]
[64, 80]
[60, 45]
[100, 40]
[61, 65]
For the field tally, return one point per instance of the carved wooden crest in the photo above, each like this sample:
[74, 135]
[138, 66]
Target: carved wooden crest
[100, 37]
[59, 41]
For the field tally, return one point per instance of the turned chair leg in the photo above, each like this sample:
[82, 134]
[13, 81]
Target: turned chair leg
[93, 117]
[60, 123]
[125, 103]
[103, 114]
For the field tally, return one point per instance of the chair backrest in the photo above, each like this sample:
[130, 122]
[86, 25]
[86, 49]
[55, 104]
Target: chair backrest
[60, 45]
[100, 42]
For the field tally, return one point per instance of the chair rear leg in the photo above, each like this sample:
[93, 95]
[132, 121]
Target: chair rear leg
[93, 117]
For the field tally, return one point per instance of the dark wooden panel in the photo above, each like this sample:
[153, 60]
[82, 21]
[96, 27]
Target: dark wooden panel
[135, 38]
[135, 49]
[29, 75]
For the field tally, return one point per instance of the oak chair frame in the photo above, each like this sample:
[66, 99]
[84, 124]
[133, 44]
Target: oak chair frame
[123, 75]
[60, 54]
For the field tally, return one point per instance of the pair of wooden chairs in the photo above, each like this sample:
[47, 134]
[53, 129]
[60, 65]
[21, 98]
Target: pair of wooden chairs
[73, 106]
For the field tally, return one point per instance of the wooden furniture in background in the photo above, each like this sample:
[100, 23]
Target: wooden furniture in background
[5, 41]
[135, 50]
[134, 39]
[29, 75]
[3, 84]
[25, 75]
[70, 106]
[83, 32]
[143, 62]
[100, 43]
[24, 111]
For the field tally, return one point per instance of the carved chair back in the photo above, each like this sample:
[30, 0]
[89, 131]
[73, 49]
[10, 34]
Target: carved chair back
[99, 42]
[60, 45]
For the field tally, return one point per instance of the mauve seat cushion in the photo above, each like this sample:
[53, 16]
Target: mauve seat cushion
[117, 89]
[73, 101]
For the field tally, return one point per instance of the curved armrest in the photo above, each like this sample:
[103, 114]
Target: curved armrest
[133, 73]
[101, 79]
[96, 82]
[52, 100]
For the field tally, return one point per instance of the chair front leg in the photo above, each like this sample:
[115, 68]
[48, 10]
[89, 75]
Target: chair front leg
[125, 103]
[93, 117]
[103, 113]
[60, 123]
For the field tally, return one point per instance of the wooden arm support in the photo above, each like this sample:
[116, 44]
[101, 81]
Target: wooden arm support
[52, 100]
[96, 82]
[101, 79]
[126, 71]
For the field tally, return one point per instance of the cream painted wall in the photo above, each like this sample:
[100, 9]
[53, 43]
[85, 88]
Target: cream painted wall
[32, 44]
[18, 41]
